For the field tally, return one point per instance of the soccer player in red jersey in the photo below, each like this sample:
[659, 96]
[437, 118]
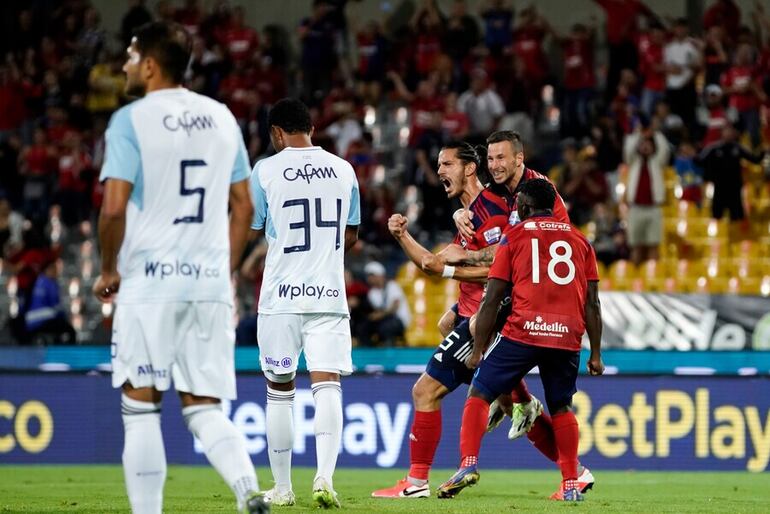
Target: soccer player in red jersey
[552, 269]
[447, 370]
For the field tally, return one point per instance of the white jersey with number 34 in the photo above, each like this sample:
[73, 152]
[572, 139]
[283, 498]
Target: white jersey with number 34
[303, 200]
[181, 151]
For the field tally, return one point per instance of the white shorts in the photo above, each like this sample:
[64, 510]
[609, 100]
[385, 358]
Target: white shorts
[191, 343]
[325, 339]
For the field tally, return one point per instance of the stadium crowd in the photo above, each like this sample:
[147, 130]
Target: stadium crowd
[386, 95]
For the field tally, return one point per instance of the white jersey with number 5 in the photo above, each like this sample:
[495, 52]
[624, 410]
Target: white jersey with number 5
[303, 199]
[181, 151]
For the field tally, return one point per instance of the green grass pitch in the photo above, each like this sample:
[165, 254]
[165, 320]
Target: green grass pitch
[98, 489]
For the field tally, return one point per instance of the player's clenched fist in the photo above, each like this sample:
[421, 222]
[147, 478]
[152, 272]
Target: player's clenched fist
[397, 225]
[106, 286]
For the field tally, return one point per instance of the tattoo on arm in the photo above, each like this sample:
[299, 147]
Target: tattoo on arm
[481, 257]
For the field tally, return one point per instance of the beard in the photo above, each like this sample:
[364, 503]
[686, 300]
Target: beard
[135, 88]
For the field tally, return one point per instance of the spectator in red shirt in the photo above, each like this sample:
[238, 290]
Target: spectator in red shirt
[715, 115]
[372, 56]
[11, 100]
[423, 103]
[652, 69]
[715, 57]
[579, 79]
[528, 44]
[723, 13]
[427, 25]
[190, 16]
[236, 91]
[622, 16]
[74, 180]
[742, 86]
[454, 123]
[38, 163]
[238, 40]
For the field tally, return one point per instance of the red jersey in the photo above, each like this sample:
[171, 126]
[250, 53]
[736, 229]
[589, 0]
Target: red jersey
[490, 217]
[578, 64]
[716, 122]
[651, 56]
[549, 264]
[741, 77]
[559, 208]
[528, 46]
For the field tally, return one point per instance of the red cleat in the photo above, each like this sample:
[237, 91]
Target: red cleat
[403, 489]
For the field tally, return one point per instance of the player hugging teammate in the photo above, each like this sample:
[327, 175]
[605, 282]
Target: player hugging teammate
[487, 213]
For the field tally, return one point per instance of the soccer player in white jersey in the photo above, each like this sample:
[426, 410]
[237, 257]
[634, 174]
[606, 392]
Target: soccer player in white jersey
[306, 202]
[173, 160]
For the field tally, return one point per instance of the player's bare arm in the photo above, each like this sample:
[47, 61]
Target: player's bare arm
[112, 228]
[351, 236]
[593, 315]
[241, 212]
[485, 319]
[457, 255]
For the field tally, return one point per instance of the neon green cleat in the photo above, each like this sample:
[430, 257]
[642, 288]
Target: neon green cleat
[323, 494]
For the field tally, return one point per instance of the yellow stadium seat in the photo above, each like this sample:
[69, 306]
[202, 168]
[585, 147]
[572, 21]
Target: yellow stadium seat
[622, 275]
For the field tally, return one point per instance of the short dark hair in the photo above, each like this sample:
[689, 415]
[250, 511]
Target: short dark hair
[465, 152]
[169, 44]
[290, 115]
[507, 135]
[541, 192]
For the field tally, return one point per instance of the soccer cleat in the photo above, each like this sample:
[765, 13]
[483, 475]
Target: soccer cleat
[496, 416]
[256, 504]
[463, 477]
[585, 479]
[323, 494]
[523, 417]
[403, 489]
[280, 498]
[568, 492]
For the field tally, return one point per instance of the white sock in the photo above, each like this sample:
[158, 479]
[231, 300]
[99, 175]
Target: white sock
[224, 447]
[328, 426]
[144, 458]
[280, 436]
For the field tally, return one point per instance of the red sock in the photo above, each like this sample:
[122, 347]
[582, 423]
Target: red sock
[541, 436]
[423, 441]
[565, 431]
[520, 393]
[474, 425]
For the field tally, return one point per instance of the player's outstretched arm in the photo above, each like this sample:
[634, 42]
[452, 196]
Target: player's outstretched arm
[112, 228]
[351, 236]
[455, 254]
[593, 315]
[241, 213]
[397, 224]
[485, 319]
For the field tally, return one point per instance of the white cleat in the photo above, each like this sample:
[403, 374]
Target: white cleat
[323, 494]
[496, 416]
[280, 498]
[523, 417]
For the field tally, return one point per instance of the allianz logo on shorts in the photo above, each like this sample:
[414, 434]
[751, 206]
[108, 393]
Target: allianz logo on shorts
[178, 269]
[147, 369]
[540, 328]
[306, 291]
[284, 363]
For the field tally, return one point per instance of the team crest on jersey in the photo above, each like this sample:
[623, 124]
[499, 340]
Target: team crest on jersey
[492, 235]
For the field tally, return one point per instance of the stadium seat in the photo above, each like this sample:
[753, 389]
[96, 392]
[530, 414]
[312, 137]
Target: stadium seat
[621, 275]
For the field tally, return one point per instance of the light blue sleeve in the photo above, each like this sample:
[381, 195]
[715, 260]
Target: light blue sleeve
[122, 159]
[241, 166]
[259, 200]
[354, 214]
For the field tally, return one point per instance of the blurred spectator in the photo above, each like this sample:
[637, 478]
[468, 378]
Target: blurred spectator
[744, 91]
[715, 57]
[45, 319]
[646, 153]
[436, 213]
[690, 174]
[427, 26]
[92, 38]
[498, 18]
[625, 104]
[724, 14]
[356, 292]
[528, 45]
[669, 123]
[682, 60]
[652, 68]
[11, 227]
[390, 314]
[460, 36]
[621, 22]
[346, 129]
[454, 123]
[482, 105]
[610, 238]
[721, 164]
[319, 60]
[11, 180]
[106, 82]
[75, 174]
[37, 165]
[190, 16]
[239, 41]
[714, 115]
[583, 185]
[607, 138]
[372, 57]
[579, 80]
[11, 99]
[423, 103]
